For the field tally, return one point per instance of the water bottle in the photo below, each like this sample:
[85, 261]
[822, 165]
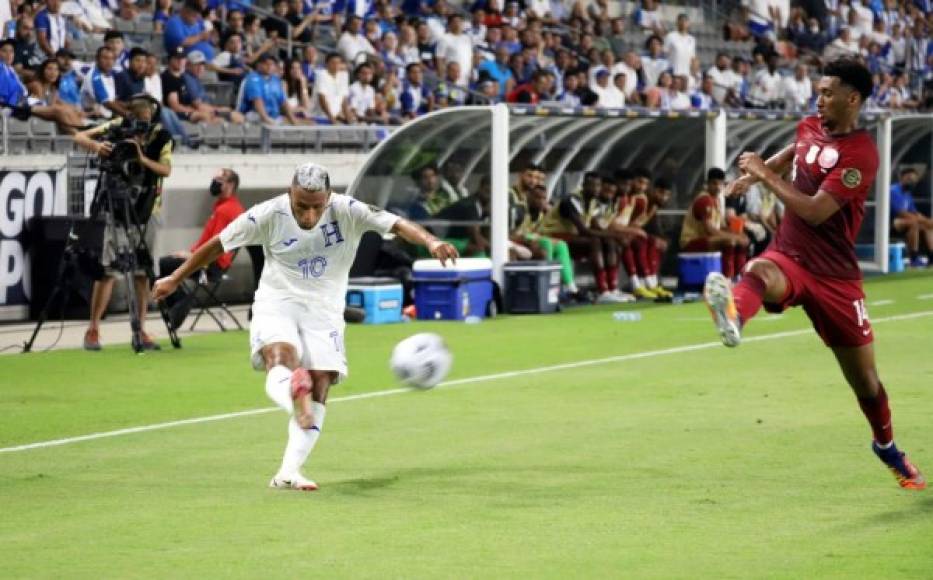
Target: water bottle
[623, 316]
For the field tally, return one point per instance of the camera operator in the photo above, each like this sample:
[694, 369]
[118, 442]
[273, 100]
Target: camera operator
[153, 146]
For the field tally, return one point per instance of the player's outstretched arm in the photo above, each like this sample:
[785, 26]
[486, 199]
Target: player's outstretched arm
[415, 234]
[813, 210]
[204, 255]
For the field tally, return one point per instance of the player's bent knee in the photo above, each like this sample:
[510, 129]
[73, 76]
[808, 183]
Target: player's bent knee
[280, 354]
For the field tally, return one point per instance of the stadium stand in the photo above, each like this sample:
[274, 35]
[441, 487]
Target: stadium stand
[729, 42]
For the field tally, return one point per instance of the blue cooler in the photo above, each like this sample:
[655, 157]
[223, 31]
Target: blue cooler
[896, 251]
[381, 298]
[454, 292]
[694, 267]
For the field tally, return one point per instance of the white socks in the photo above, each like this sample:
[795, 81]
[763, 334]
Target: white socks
[301, 441]
[279, 387]
[636, 282]
[652, 280]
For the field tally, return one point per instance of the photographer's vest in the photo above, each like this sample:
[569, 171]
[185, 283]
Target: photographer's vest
[158, 146]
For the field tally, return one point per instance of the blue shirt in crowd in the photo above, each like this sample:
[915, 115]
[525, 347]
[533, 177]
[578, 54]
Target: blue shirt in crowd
[176, 31]
[497, 72]
[12, 91]
[68, 88]
[269, 89]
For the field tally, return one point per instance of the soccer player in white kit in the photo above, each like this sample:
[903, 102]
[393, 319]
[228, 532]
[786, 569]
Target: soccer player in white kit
[309, 236]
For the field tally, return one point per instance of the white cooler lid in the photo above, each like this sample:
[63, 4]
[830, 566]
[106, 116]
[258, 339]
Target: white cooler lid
[462, 265]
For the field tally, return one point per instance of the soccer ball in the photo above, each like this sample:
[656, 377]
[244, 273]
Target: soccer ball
[421, 361]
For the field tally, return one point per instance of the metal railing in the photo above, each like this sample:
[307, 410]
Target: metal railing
[367, 136]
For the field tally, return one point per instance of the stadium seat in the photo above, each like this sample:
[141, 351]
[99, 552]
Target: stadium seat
[18, 139]
[41, 135]
[64, 144]
[212, 136]
[234, 137]
[221, 93]
[121, 25]
[194, 134]
[252, 137]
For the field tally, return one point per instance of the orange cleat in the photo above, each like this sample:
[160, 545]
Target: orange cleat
[905, 472]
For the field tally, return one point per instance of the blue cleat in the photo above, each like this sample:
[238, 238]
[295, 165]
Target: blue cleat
[907, 475]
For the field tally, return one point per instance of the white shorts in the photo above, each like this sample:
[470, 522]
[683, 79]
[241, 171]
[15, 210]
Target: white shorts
[319, 347]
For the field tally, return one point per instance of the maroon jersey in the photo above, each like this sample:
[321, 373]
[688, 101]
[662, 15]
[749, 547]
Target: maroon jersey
[845, 168]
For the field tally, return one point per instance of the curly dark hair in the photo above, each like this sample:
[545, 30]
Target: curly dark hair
[851, 72]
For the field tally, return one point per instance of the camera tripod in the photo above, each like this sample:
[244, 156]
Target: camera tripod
[130, 255]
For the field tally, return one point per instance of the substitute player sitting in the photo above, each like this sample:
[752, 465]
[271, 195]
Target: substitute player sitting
[812, 262]
[309, 236]
[641, 256]
[704, 228]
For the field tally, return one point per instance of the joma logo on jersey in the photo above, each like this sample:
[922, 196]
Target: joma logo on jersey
[331, 233]
[312, 267]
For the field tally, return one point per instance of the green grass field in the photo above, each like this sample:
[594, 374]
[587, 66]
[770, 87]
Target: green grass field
[686, 462]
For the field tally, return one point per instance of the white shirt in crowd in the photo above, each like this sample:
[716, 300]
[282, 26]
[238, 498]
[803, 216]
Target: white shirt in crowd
[153, 86]
[351, 45]
[362, 98]
[539, 7]
[758, 11]
[477, 33]
[653, 67]
[680, 101]
[898, 51]
[797, 93]
[723, 81]
[609, 97]
[864, 20]
[308, 267]
[680, 49]
[650, 19]
[840, 47]
[90, 13]
[457, 48]
[334, 89]
[766, 88]
[631, 77]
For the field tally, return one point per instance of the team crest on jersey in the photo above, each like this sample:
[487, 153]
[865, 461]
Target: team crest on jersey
[851, 177]
[828, 158]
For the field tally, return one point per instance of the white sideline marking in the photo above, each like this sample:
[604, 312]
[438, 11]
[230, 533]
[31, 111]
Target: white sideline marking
[881, 303]
[454, 383]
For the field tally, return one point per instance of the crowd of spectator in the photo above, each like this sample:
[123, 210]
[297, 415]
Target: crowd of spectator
[393, 60]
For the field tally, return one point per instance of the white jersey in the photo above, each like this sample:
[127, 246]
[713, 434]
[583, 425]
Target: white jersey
[310, 267]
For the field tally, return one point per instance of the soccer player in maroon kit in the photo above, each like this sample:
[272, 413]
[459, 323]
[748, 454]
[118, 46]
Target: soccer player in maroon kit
[811, 262]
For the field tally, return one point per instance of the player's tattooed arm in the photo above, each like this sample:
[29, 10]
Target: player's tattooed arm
[204, 255]
[779, 163]
[415, 234]
[812, 209]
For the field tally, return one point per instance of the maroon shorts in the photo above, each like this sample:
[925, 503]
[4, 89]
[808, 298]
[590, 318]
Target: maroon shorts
[698, 245]
[836, 307]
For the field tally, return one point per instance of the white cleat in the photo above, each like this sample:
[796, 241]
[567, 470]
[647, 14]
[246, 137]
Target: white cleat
[608, 298]
[624, 297]
[718, 296]
[297, 482]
